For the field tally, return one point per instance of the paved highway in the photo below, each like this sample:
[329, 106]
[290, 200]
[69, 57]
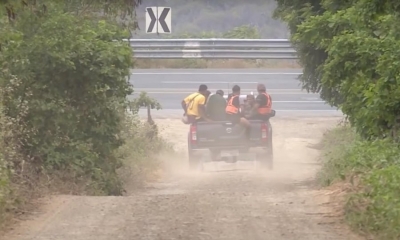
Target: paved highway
[170, 86]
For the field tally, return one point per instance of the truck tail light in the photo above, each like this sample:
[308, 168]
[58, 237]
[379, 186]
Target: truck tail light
[193, 133]
[264, 131]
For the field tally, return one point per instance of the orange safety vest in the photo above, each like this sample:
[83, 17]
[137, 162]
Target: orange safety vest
[230, 108]
[266, 109]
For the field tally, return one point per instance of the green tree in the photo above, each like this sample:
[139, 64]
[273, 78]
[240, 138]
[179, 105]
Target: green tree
[311, 56]
[65, 85]
[349, 54]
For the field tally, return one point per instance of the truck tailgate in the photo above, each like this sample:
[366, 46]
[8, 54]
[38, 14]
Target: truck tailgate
[225, 134]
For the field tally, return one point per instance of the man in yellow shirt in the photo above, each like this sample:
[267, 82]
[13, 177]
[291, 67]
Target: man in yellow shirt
[194, 105]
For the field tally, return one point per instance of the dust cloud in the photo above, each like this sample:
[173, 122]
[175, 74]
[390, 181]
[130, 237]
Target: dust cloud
[225, 202]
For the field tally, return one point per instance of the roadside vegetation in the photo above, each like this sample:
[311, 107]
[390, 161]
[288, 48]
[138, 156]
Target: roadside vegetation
[64, 125]
[350, 54]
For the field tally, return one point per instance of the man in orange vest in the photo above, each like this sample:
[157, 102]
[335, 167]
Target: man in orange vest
[263, 106]
[233, 108]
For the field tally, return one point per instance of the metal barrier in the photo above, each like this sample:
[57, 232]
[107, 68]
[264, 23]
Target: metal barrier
[214, 48]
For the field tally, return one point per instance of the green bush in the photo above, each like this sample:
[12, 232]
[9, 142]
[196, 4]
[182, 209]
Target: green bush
[69, 86]
[349, 51]
[8, 160]
[335, 145]
[140, 154]
[373, 167]
[63, 100]
[4, 188]
[64, 88]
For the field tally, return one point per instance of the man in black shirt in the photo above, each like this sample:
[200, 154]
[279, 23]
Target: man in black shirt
[215, 106]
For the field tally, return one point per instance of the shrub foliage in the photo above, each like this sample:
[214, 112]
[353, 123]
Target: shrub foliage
[349, 51]
[63, 97]
[372, 168]
[350, 54]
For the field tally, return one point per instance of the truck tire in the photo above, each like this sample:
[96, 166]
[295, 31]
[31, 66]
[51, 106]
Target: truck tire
[269, 156]
[214, 154]
[194, 162]
[267, 159]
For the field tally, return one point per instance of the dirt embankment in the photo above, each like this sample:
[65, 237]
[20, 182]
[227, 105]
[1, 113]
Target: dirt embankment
[227, 201]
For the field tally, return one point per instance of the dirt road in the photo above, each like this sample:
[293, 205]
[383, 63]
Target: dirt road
[227, 202]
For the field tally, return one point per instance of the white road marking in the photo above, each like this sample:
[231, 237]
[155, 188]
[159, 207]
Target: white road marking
[295, 101]
[280, 110]
[277, 110]
[215, 89]
[298, 101]
[216, 73]
[318, 101]
[294, 110]
[310, 99]
[272, 93]
[191, 82]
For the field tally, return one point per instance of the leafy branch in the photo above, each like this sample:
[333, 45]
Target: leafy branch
[144, 101]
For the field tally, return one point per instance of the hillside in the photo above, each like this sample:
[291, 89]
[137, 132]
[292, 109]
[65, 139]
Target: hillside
[194, 17]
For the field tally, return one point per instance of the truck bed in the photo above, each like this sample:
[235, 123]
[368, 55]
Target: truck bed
[225, 134]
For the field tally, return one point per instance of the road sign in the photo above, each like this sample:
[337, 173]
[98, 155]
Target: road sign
[151, 20]
[158, 20]
[164, 20]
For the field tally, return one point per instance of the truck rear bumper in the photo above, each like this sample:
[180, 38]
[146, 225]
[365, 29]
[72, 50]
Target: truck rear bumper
[240, 148]
[222, 154]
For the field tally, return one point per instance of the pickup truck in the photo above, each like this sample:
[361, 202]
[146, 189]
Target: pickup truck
[229, 142]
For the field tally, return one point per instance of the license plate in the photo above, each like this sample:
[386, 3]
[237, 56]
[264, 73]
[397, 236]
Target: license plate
[231, 153]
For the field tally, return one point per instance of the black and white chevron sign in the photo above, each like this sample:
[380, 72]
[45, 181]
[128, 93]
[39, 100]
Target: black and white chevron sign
[158, 20]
